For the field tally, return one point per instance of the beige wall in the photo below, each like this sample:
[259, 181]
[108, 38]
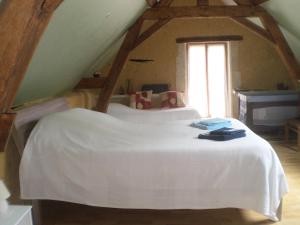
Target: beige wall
[259, 65]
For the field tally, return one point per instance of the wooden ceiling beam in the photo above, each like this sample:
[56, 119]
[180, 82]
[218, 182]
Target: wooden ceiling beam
[22, 24]
[118, 64]
[150, 31]
[209, 38]
[282, 46]
[203, 11]
[273, 33]
[254, 28]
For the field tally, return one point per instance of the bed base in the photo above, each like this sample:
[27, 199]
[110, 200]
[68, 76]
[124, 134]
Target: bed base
[37, 212]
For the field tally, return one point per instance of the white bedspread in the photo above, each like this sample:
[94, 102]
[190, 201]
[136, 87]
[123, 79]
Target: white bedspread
[91, 158]
[154, 115]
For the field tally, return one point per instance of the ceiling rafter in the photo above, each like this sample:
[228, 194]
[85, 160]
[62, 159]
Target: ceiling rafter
[156, 26]
[251, 25]
[282, 46]
[244, 22]
[20, 35]
[254, 28]
[151, 30]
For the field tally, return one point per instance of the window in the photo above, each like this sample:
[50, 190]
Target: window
[207, 78]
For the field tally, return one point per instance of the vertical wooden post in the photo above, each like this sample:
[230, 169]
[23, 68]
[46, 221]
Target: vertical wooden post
[121, 58]
[254, 28]
[131, 41]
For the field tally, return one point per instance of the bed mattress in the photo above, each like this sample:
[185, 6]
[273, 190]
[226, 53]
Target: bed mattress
[95, 159]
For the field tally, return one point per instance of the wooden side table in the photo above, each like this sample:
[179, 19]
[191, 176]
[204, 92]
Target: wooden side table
[293, 125]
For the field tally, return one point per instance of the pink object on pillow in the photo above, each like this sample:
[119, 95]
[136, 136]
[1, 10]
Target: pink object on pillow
[141, 100]
[171, 99]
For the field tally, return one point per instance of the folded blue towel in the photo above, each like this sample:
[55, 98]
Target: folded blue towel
[213, 121]
[211, 126]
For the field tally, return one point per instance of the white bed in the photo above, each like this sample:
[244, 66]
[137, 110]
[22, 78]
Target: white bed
[91, 158]
[151, 116]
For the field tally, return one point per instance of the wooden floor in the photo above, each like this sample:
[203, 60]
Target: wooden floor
[61, 214]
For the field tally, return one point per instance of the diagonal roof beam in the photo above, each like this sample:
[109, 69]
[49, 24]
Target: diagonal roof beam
[255, 28]
[151, 30]
[282, 46]
[118, 64]
[156, 26]
[22, 24]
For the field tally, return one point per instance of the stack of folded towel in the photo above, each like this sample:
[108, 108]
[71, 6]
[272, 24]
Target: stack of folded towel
[212, 124]
[223, 134]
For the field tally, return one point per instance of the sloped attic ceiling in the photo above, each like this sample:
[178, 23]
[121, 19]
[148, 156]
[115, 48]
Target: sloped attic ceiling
[287, 14]
[83, 35]
[78, 34]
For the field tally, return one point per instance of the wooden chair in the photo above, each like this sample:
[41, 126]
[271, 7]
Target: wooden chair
[293, 125]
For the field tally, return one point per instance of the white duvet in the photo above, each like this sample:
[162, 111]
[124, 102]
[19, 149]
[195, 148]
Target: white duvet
[153, 115]
[91, 158]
